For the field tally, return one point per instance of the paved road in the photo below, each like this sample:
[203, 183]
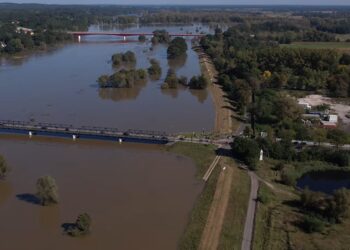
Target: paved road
[249, 222]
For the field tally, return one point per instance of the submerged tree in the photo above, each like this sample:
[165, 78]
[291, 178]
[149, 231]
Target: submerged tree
[47, 190]
[81, 226]
[3, 167]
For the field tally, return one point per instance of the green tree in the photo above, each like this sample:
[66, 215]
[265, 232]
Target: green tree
[154, 71]
[83, 223]
[81, 227]
[15, 45]
[246, 150]
[338, 206]
[312, 224]
[177, 47]
[142, 38]
[47, 190]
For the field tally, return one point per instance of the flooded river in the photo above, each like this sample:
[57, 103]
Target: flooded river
[61, 87]
[139, 197]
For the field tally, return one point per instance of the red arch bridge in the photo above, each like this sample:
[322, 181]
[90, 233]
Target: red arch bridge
[79, 34]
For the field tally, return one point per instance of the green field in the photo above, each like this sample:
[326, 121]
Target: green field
[319, 45]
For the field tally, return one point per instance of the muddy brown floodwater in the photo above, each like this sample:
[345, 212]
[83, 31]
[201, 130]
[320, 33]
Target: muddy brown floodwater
[139, 197]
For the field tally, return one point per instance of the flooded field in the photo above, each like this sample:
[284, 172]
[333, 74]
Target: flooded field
[139, 197]
[60, 87]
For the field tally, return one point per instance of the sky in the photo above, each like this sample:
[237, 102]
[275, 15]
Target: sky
[192, 2]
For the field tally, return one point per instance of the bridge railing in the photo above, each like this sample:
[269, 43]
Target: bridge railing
[82, 129]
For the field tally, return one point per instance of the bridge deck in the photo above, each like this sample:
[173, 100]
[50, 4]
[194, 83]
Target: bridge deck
[85, 132]
[86, 33]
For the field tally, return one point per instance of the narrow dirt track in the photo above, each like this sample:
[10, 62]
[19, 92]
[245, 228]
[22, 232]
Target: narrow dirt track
[211, 234]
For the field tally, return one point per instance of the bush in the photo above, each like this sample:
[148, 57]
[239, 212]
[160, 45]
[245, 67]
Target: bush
[123, 79]
[47, 190]
[171, 80]
[80, 227]
[312, 224]
[263, 196]
[287, 178]
[338, 157]
[154, 71]
[198, 82]
[127, 59]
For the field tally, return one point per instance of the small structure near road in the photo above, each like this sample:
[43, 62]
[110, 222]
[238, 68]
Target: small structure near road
[2, 45]
[330, 121]
[304, 105]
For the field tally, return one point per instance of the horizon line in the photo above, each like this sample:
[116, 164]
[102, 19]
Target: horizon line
[184, 4]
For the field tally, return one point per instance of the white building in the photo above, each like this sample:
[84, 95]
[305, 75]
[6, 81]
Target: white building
[20, 29]
[333, 118]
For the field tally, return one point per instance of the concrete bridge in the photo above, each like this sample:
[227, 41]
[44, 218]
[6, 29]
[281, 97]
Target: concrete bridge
[93, 133]
[79, 34]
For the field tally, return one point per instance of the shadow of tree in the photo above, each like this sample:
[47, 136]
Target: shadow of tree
[68, 226]
[30, 198]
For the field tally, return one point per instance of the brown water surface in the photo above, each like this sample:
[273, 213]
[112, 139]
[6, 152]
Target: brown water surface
[139, 197]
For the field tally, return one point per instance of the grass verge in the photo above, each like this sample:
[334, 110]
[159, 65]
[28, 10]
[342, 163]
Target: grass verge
[194, 229]
[233, 227]
[202, 155]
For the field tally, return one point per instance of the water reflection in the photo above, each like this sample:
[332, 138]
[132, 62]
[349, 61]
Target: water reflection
[201, 95]
[177, 62]
[121, 94]
[65, 79]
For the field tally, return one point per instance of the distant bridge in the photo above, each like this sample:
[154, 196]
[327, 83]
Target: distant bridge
[79, 34]
[95, 133]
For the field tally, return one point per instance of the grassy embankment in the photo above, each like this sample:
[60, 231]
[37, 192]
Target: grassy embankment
[203, 156]
[232, 230]
[233, 227]
[277, 219]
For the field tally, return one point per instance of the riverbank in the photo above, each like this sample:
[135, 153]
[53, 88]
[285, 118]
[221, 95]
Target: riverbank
[217, 218]
[225, 123]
